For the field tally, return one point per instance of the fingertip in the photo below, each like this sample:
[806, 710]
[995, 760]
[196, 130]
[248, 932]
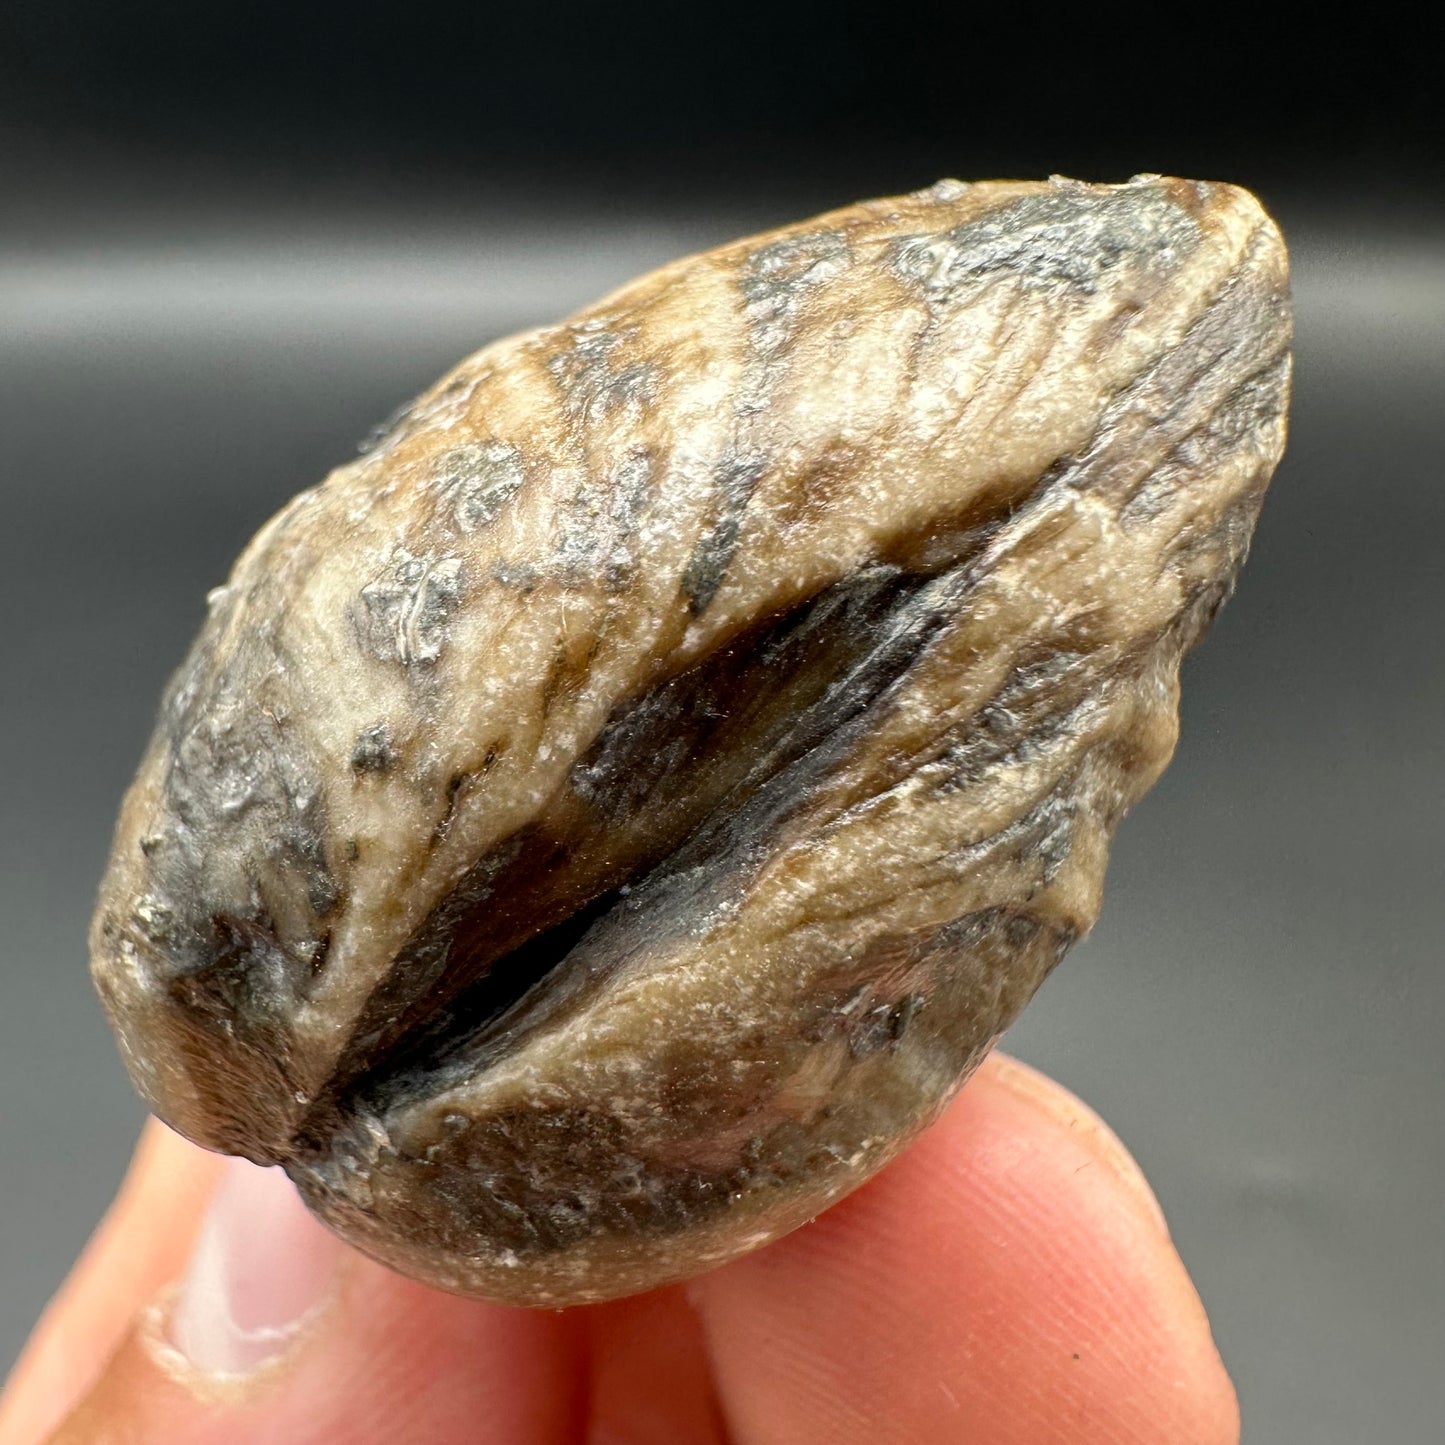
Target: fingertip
[1052, 1100]
[262, 1266]
[141, 1242]
[277, 1331]
[219, 1315]
[1008, 1278]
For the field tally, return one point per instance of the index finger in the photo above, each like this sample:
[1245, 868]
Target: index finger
[1009, 1280]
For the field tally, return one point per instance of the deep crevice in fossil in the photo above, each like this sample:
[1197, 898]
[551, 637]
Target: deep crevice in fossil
[476, 1007]
[695, 748]
[495, 951]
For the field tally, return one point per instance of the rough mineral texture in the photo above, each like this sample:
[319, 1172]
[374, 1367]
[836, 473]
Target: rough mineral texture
[597, 828]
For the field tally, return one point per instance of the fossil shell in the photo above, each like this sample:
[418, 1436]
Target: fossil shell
[598, 827]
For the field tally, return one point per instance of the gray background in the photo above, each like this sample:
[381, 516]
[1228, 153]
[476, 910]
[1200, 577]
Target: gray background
[1260, 1011]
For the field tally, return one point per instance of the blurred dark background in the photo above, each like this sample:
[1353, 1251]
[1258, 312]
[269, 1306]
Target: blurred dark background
[233, 236]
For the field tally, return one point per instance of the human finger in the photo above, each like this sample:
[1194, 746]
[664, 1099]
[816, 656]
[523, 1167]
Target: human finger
[141, 1243]
[276, 1331]
[1008, 1280]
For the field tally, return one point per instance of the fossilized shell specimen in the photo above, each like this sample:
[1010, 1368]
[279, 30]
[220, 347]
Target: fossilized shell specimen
[599, 827]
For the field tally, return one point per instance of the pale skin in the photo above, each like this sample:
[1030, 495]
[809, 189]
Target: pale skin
[1010, 1280]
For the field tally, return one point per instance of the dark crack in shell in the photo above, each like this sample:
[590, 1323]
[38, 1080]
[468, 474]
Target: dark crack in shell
[598, 827]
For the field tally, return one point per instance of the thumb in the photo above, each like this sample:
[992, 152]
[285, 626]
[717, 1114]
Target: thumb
[142, 1242]
[261, 1326]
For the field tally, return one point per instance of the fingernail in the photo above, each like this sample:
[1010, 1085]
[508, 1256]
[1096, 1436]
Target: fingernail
[1091, 1131]
[261, 1268]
